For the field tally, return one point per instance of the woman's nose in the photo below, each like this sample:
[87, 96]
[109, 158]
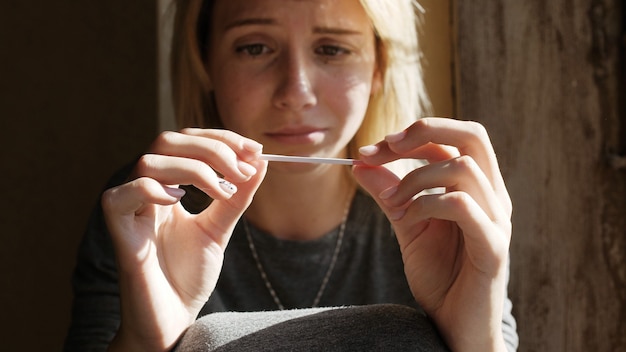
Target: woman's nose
[295, 90]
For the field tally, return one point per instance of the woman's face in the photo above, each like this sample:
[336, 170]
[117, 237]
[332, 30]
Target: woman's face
[294, 75]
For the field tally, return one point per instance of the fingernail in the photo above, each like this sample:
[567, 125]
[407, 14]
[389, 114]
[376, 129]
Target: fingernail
[386, 194]
[395, 137]
[246, 168]
[175, 192]
[227, 186]
[368, 150]
[252, 146]
[397, 214]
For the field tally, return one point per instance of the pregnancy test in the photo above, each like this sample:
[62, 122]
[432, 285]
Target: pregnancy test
[307, 159]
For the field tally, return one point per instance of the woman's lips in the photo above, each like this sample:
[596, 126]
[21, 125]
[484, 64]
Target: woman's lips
[301, 135]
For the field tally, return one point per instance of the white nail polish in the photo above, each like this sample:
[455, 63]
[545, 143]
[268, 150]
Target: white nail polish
[386, 194]
[227, 186]
[246, 169]
[175, 192]
[252, 146]
[395, 137]
[368, 150]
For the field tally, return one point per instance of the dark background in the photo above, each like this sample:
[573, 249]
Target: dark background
[78, 99]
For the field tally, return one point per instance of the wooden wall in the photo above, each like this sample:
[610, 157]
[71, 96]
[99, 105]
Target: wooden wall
[436, 42]
[545, 77]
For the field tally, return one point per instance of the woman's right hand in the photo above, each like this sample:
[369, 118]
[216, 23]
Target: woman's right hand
[169, 260]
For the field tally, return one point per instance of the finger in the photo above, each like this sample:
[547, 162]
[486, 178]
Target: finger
[225, 151]
[123, 205]
[221, 216]
[486, 242]
[376, 179]
[172, 170]
[380, 153]
[246, 148]
[131, 198]
[468, 137]
[458, 174]
[456, 207]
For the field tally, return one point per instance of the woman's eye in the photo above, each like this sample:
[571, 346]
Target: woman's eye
[252, 49]
[331, 50]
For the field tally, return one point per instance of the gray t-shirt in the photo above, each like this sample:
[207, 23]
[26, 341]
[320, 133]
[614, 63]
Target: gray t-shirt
[368, 270]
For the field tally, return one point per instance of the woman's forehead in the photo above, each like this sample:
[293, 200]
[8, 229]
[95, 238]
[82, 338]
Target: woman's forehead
[330, 13]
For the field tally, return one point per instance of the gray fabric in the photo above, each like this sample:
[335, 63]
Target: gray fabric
[217, 329]
[365, 328]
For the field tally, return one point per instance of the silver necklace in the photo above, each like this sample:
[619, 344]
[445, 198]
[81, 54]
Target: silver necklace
[333, 261]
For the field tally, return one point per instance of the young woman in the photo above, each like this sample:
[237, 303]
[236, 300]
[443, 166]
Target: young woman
[320, 78]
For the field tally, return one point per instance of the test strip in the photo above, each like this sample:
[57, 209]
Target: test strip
[306, 159]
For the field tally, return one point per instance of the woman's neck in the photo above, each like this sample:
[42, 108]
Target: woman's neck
[302, 205]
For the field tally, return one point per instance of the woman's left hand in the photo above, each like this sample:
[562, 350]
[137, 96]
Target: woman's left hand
[454, 244]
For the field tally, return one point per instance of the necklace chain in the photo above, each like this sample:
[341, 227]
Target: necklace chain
[333, 261]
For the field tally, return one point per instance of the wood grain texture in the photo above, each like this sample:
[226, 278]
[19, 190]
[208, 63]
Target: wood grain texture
[544, 78]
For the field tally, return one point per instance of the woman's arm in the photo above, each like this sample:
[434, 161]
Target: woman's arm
[96, 305]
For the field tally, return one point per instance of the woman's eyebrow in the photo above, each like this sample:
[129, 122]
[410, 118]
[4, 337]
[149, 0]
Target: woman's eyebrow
[255, 21]
[249, 22]
[336, 30]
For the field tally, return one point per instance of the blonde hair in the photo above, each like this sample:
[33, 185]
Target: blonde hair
[400, 101]
[403, 98]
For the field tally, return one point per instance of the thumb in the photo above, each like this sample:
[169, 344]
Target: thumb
[376, 179]
[222, 215]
